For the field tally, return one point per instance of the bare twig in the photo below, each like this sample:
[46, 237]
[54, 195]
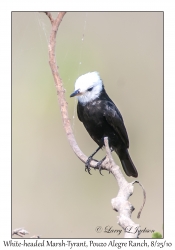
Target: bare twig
[120, 203]
[20, 232]
[144, 198]
[49, 16]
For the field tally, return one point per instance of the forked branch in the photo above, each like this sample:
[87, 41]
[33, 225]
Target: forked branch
[120, 203]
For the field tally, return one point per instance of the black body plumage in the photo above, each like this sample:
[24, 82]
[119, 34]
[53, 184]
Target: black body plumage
[102, 118]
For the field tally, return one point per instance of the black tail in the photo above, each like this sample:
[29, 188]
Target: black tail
[127, 164]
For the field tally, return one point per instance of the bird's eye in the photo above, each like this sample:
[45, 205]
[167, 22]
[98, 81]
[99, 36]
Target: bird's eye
[89, 89]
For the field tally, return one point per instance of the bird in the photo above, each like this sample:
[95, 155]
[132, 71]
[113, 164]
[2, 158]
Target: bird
[102, 118]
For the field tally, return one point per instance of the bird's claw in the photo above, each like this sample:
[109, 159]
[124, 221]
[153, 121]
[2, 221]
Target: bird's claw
[87, 165]
[99, 166]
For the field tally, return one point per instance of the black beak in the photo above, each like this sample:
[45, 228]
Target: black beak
[76, 92]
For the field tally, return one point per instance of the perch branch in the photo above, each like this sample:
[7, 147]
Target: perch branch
[60, 92]
[120, 203]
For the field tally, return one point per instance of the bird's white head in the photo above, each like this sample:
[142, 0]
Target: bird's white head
[88, 87]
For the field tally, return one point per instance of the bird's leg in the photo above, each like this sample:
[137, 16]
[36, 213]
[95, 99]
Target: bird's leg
[87, 164]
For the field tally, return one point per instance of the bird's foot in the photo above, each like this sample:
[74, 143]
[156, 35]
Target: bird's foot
[87, 164]
[99, 165]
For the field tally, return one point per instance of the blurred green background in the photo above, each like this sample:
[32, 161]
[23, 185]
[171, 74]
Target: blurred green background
[52, 195]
